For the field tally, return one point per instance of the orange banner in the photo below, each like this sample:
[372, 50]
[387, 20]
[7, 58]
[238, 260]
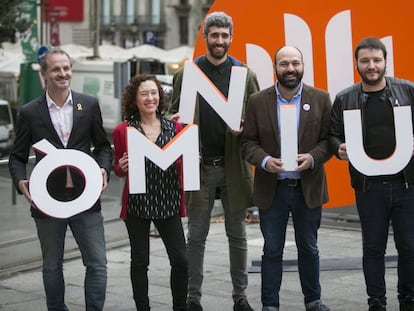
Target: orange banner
[326, 32]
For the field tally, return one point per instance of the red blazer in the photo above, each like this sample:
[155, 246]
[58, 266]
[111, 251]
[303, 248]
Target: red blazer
[120, 146]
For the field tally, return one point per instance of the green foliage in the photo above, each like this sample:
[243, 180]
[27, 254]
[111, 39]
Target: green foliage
[12, 21]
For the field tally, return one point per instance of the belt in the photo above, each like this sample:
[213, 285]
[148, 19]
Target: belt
[399, 178]
[387, 179]
[69, 194]
[289, 182]
[214, 162]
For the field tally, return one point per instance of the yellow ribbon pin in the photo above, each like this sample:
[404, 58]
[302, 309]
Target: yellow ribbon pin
[79, 106]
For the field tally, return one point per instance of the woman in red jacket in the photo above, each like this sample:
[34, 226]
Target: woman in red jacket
[142, 104]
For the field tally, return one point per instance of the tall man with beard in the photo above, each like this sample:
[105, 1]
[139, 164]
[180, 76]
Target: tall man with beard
[279, 193]
[386, 199]
[222, 170]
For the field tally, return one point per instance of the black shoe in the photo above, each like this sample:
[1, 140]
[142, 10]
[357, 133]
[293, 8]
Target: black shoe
[242, 305]
[376, 304]
[180, 307]
[194, 306]
[319, 307]
[407, 304]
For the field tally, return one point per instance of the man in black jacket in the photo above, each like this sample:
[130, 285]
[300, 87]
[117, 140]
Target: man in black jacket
[385, 198]
[67, 120]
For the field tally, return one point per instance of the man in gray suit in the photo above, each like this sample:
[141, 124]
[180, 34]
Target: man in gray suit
[279, 192]
[69, 120]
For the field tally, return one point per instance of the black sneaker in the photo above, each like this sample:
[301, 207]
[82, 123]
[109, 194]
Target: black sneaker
[319, 307]
[376, 305]
[194, 306]
[242, 305]
[407, 304]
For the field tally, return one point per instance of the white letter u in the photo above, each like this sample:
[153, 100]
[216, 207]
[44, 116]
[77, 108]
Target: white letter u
[403, 148]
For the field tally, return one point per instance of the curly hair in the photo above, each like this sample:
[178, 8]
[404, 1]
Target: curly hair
[129, 105]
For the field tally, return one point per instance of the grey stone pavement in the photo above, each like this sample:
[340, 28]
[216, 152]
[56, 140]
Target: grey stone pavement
[342, 281]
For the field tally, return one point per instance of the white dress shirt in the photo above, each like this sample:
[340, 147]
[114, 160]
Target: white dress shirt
[62, 117]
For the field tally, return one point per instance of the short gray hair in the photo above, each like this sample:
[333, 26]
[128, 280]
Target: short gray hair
[218, 19]
[50, 51]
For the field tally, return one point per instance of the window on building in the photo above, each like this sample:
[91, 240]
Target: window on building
[155, 12]
[129, 10]
[106, 12]
[183, 24]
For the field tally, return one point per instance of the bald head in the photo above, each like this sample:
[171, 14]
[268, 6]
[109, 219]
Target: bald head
[287, 50]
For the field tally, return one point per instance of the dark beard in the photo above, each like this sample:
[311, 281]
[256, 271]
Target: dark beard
[290, 84]
[372, 82]
[215, 55]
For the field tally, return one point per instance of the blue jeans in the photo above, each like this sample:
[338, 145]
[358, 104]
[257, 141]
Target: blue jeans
[172, 234]
[198, 228]
[88, 231]
[382, 203]
[273, 222]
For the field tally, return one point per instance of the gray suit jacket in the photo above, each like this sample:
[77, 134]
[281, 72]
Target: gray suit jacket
[261, 138]
[34, 124]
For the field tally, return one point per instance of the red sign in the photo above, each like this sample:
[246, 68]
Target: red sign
[69, 11]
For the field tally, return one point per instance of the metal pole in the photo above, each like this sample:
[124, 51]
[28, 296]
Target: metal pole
[40, 25]
[96, 26]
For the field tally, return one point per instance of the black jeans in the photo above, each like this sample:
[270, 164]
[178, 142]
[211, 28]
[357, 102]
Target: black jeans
[384, 203]
[172, 234]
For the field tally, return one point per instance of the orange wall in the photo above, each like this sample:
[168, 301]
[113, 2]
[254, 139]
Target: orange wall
[261, 22]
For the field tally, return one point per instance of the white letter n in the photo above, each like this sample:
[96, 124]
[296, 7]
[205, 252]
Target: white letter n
[195, 81]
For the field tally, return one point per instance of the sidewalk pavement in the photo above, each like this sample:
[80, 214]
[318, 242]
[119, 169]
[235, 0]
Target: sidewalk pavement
[341, 276]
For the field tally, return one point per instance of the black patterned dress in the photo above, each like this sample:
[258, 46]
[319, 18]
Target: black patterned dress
[163, 196]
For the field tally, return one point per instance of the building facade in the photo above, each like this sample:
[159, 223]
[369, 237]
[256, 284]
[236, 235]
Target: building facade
[128, 23]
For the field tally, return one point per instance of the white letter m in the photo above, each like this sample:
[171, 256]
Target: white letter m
[185, 144]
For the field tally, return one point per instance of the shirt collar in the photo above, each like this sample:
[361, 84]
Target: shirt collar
[294, 98]
[51, 103]
[218, 67]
